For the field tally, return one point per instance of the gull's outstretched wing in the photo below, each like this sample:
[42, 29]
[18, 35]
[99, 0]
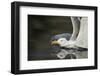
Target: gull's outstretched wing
[80, 32]
[82, 38]
[76, 27]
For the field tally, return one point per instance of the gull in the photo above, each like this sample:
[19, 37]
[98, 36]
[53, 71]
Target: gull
[78, 39]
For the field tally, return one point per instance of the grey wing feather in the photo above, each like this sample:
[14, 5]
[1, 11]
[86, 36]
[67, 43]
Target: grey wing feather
[64, 35]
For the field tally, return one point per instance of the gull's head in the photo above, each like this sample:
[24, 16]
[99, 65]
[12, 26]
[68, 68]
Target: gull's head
[64, 43]
[61, 42]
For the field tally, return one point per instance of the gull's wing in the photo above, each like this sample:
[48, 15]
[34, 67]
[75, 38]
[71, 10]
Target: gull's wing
[82, 38]
[80, 31]
[76, 27]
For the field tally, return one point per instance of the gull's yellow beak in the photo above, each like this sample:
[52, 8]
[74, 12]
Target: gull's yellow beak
[54, 43]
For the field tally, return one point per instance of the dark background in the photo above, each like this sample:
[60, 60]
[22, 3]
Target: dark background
[40, 30]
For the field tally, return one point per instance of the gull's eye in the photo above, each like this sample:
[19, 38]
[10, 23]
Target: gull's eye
[61, 40]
